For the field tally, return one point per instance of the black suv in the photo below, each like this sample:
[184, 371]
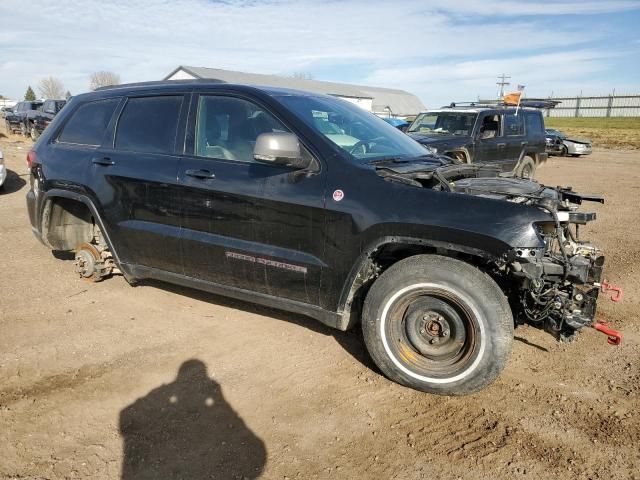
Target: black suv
[255, 193]
[37, 120]
[15, 120]
[495, 135]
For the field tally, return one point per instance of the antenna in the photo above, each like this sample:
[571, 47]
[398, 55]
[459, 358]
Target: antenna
[502, 81]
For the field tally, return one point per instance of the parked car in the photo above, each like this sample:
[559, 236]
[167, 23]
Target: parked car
[3, 170]
[487, 135]
[5, 110]
[16, 120]
[399, 123]
[238, 190]
[559, 144]
[37, 120]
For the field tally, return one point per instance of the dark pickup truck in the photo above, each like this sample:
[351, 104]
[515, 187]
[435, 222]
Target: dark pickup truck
[513, 140]
[37, 120]
[15, 119]
[243, 191]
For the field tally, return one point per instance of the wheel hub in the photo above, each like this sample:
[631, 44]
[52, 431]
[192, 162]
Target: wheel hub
[434, 328]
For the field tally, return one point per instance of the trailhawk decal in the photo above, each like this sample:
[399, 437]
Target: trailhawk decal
[266, 261]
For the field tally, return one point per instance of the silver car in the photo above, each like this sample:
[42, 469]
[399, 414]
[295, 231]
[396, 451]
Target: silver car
[559, 144]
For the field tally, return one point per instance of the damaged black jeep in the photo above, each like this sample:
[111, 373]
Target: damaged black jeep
[310, 204]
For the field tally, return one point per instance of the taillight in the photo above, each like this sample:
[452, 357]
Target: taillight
[31, 158]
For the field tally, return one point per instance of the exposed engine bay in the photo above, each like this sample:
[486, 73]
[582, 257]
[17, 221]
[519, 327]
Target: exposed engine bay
[554, 287]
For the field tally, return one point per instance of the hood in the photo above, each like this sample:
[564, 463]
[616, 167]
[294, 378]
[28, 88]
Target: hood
[440, 141]
[578, 140]
[481, 181]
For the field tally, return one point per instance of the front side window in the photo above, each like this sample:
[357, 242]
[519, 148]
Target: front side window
[449, 123]
[89, 122]
[356, 131]
[227, 127]
[149, 124]
[490, 127]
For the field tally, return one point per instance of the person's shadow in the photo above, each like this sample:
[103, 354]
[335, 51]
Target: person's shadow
[185, 430]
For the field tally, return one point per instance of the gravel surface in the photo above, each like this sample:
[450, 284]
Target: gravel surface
[106, 380]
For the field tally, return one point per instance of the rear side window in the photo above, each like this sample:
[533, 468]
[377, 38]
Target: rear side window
[534, 124]
[89, 122]
[513, 124]
[149, 124]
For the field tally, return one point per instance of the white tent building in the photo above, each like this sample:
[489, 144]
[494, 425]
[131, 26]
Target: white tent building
[381, 101]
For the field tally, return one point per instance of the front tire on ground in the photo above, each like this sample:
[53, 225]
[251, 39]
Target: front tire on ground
[438, 325]
[34, 133]
[527, 168]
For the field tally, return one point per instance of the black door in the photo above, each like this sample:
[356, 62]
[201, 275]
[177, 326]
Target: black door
[239, 226]
[490, 146]
[135, 179]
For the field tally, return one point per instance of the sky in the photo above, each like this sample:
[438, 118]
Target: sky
[440, 51]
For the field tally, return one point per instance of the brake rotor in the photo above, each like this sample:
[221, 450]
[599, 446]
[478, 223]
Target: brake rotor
[89, 262]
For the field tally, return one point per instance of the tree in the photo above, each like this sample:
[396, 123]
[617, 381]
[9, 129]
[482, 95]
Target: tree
[30, 95]
[50, 87]
[103, 79]
[67, 95]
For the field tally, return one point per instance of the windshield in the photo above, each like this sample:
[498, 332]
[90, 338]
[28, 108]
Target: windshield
[451, 123]
[356, 131]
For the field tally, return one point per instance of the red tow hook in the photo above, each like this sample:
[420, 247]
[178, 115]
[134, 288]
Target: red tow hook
[614, 337]
[606, 287]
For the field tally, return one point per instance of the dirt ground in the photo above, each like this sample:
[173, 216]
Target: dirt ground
[99, 380]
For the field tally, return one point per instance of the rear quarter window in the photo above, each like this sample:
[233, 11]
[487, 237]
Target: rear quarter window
[534, 124]
[88, 123]
[149, 124]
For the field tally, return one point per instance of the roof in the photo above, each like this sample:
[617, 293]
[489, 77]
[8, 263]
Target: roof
[400, 101]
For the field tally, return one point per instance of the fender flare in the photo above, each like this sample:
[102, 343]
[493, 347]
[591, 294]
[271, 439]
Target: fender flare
[54, 193]
[357, 276]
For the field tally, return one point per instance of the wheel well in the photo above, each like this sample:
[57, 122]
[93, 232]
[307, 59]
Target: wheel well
[380, 259]
[458, 155]
[67, 223]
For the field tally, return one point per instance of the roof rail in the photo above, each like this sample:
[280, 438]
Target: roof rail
[525, 102]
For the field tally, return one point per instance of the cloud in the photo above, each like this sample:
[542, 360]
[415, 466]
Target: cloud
[390, 42]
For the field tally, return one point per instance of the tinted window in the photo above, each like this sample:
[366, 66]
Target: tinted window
[149, 124]
[534, 123]
[227, 127]
[89, 122]
[513, 124]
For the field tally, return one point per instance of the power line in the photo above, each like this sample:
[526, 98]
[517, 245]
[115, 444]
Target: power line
[502, 81]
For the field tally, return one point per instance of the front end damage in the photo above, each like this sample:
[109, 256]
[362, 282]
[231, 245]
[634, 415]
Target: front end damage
[558, 285]
[554, 286]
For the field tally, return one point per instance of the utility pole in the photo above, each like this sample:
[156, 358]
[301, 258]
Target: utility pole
[502, 81]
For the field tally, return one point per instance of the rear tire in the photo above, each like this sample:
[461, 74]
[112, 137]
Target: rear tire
[527, 168]
[438, 325]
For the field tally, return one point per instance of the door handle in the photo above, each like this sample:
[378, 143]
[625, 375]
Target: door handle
[524, 143]
[204, 174]
[501, 145]
[105, 161]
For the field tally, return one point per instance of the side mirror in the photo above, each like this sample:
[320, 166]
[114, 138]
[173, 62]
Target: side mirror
[280, 148]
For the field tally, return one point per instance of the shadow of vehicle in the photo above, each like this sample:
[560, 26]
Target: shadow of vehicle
[352, 340]
[12, 183]
[187, 430]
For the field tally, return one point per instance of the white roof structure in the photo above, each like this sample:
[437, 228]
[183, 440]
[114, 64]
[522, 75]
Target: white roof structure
[378, 100]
